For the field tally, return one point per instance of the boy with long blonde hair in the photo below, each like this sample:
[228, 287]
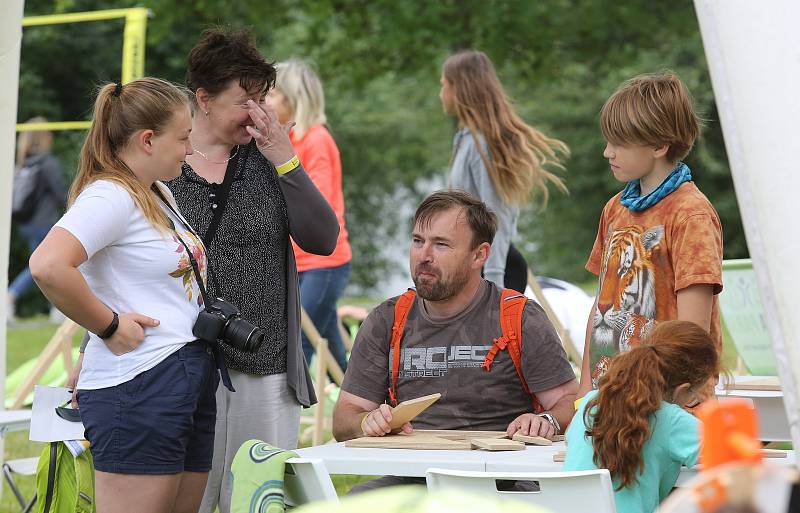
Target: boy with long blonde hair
[658, 250]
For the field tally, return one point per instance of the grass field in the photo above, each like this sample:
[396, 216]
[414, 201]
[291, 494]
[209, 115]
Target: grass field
[25, 341]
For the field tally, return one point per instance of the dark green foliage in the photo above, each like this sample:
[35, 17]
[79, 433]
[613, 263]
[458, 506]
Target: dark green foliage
[380, 61]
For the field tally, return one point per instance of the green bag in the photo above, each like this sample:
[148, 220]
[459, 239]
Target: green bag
[64, 483]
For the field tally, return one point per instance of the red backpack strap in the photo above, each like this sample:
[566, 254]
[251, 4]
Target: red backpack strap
[512, 305]
[401, 309]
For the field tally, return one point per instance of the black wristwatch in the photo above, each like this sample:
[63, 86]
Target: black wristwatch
[112, 328]
[552, 420]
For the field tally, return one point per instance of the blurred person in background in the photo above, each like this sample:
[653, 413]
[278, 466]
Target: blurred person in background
[496, 156]
[38, 199]
[298, 97]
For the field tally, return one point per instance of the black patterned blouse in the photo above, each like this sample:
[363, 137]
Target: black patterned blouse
[249, 258]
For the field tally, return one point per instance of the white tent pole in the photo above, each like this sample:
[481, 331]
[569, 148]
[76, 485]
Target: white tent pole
[10, 41]
[753, 53]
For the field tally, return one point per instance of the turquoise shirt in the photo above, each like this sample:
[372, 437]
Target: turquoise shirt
[675, 441]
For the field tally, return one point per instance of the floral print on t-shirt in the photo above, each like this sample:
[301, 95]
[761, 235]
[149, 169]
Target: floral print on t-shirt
[184, 270]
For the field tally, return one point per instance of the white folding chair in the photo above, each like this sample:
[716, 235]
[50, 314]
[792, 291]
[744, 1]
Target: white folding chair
[307, 480]
[20, 467]
[564, 492]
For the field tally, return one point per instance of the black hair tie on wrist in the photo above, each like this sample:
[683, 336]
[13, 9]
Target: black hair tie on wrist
[112, 328]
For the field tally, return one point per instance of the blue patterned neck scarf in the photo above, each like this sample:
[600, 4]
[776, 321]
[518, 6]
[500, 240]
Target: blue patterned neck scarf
[631, 196]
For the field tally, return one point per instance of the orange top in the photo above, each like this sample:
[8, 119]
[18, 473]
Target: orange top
[319, 156]
[643, 259]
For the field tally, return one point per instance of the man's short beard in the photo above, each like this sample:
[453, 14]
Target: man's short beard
[442, 290]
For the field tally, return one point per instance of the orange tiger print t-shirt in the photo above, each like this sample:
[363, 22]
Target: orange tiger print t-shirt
[643, 259]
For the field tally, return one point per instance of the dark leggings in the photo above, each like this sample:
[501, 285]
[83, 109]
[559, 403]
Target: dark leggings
[516, 277]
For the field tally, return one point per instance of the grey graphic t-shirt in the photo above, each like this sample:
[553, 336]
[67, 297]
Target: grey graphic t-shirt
[445, 356]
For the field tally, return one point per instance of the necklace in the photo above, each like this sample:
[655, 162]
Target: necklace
[214, 161]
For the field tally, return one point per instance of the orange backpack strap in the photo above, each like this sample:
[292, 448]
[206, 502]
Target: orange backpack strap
[512, 305]
[401, 309]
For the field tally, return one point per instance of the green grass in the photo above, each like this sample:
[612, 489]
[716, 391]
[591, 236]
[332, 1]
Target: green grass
[26, 340]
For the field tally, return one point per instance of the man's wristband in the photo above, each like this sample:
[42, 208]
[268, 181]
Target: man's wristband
[111, 329]
[363, 421]
[291, 164]
[552, 420]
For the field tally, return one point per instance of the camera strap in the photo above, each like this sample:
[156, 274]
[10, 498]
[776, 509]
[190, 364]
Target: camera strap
[219, 359]
[198, 277]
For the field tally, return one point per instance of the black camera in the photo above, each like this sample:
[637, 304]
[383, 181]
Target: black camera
[222, 321]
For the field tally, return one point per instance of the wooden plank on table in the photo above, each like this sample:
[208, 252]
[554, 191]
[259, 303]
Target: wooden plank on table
[457, 434]
[497, 444]
[769, 384]
[407, 410]
[533, 440]
[408, 442]
[559, 438]
[560, 456]
[773, 453]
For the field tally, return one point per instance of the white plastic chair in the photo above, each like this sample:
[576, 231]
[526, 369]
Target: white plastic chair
[564, 492]
[20, 467]
[307, 480]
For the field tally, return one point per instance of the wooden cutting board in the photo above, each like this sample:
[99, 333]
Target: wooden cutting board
[453, 434]
[770, 384]
[533, 440]
[402, 441]
[407, 410]
[497, 444]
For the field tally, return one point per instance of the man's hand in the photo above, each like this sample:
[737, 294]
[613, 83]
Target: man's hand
[376, 422]
[530, 424]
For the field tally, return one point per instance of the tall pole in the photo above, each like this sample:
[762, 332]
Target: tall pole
[753, 53]
[10, 43]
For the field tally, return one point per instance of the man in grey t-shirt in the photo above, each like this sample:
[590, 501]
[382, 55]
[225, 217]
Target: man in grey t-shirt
[449, 330]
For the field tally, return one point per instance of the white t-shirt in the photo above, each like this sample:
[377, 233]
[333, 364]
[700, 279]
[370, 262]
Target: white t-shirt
[132, 267]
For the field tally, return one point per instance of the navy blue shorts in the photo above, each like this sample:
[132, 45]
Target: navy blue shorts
[160, 422]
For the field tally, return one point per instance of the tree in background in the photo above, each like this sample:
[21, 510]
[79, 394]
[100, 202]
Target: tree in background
[380, 61]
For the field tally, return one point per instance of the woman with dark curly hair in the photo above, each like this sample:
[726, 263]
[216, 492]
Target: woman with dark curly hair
[246, 193]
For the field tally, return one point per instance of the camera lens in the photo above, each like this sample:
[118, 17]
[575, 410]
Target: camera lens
[243, 335]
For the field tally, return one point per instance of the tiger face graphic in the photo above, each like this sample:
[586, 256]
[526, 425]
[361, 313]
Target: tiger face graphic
[627, 297]
[599, 369]
[637, 327]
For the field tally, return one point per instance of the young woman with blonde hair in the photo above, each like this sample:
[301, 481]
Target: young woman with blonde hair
[298, 97]
[45, 199]
[496, 156]
[120, 263]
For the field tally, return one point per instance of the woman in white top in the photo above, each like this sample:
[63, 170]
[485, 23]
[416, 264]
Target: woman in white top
[119, 263]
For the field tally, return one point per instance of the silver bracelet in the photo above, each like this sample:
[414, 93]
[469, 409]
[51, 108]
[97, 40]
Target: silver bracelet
[552, 420]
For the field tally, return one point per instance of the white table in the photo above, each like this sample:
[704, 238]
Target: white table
[395, 462]
[339, 459]
[772, 422]
[14, 420]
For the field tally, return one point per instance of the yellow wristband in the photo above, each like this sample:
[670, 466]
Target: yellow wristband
[363, 420]
[292, 164]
